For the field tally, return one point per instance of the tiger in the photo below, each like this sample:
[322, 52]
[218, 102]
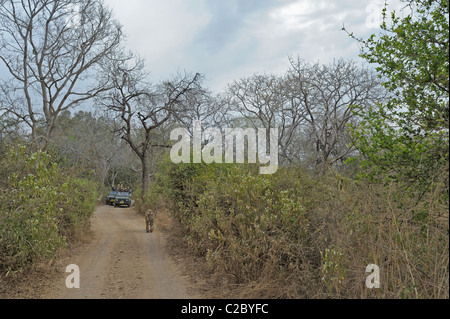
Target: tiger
[149, 220]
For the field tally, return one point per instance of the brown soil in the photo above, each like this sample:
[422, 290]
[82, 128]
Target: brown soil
[120, 261]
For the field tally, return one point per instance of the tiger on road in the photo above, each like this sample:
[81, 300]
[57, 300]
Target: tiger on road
[149, 220]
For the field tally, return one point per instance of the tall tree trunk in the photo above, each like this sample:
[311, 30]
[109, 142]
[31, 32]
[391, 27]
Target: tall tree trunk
[144, 177]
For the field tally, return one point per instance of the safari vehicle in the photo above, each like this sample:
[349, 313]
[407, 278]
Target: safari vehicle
[110, 198]
[122, 199]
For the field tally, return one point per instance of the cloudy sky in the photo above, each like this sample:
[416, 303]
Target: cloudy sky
[229, 39]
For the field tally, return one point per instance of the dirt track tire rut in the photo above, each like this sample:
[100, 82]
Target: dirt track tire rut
[123, 262]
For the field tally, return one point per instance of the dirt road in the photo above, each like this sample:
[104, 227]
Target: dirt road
[123, 261]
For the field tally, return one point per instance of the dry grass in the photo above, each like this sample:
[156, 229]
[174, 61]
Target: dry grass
[321, 248]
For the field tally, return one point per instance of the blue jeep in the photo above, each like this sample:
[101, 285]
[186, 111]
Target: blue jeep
[110, 198]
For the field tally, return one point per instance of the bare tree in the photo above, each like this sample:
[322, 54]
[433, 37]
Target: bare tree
[264, 102]
[201, 105]
[326, 94]
[143, 108]
[51, 49]
[311, 106]
[86, 140]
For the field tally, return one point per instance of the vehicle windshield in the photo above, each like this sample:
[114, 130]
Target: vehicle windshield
[122, 194]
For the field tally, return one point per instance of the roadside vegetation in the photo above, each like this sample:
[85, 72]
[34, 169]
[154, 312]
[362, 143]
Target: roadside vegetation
[300, 235]
[43, 208]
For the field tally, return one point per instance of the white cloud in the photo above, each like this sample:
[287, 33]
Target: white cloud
[298, 15]
[226, 40]
[159, 30]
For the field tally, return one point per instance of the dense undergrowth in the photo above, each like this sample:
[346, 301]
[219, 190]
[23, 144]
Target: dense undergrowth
[298, 235]
[43, 208]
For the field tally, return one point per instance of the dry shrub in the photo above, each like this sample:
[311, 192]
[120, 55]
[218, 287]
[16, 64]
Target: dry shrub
[386, 226]
[294, 236]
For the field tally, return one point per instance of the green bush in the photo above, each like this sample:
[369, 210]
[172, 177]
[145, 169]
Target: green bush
[40, 208]
[75, 217]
